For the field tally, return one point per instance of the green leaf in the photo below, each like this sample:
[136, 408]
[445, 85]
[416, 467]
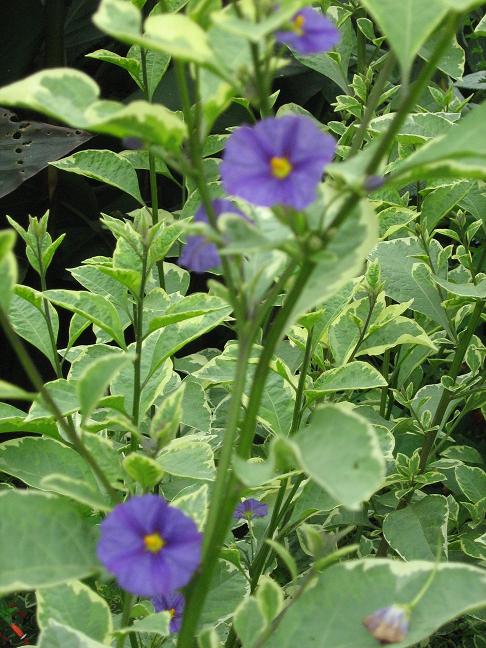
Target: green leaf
[27, 316]
[78, 490]
[8, 268]
[63, 392]
[334, 608]
[104, 166]
[95, 308]
[401, 330]
[119, 19]
[194, 503]
[452, 61]
[228, 587]
[173, 336]
[72, 97]
[167, 417]
[128, 63]
[340, 451]
[67, 549]
[31, 459]
[397, 259]
[173, 34]
[418, 531]
[342, 259]
[157, 624]
[12, 392]
[438, 203]
[76, 605]
[61, 94]
[472, 482]
[156, 64]
[417, 128]
[57, 635]
[477, 291]
[460, 154]
[355, 375]
[144, 470]
[94, 381]
[188, 456]
[406, 25]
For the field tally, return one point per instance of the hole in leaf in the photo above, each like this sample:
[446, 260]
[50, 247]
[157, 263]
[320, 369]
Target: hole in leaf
[78, 132]
[14, 118]
[18, 150]
[20, 161]
[24, 125]
[27, 142]
[17, 135]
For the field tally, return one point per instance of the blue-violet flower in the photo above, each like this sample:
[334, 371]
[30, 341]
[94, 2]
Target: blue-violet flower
[150, 547]
[199, 254]
[389, 624]
[310, 33]
[249, 509]
[278, 161]
[174, 603]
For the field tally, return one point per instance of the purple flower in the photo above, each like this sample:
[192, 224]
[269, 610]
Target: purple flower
[310, 33]
[249, 509]
[151, 547]
[173, 603]
[389, 624]
[199, 254]
[279, 161]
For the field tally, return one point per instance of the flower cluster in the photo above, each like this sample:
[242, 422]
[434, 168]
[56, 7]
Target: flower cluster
[152, 549]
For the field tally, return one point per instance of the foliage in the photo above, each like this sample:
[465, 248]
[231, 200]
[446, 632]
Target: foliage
[325, 377]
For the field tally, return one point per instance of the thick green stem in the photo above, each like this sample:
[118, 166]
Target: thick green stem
[125, 620]
[38, 383]
[297, 413]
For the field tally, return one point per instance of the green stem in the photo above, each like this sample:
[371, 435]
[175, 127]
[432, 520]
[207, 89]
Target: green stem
[372, 302]
[384, 390]
[154, 195]
[38, 383]
[453, 373]
[412, 96]
[47, 313]
[297, 413]
[125, 620]
[373, 99]
[137, 365]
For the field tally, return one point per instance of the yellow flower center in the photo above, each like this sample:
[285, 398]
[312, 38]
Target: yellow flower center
[281, 167]
[298, 25]
[153, 542]
[172, 612]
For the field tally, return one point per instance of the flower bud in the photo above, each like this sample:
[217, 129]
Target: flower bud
[389, 624]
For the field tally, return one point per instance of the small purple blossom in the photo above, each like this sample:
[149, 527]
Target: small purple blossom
[173, 603]
[150, 547]
[199, 254]
[389, 624]
[310, 33]
[279, 161]
[249, 509]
